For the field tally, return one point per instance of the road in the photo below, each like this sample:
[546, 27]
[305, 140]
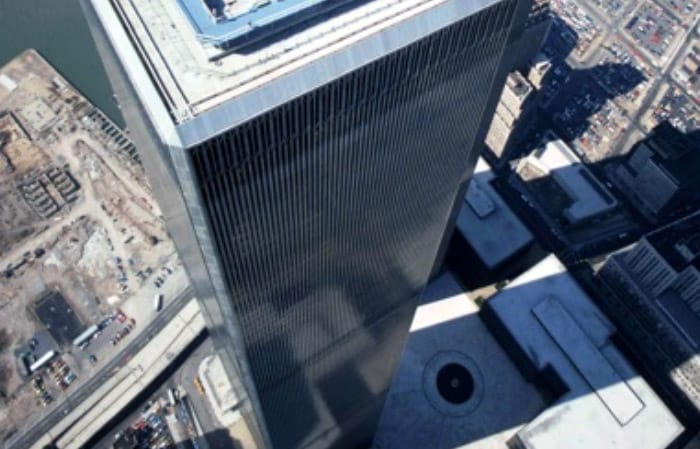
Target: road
[185, 379]
[665, 78]
[213, 436]
[662, 70]
[174, 380]
[33, 432]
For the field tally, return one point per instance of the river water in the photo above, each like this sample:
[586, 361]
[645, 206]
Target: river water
[57, 29]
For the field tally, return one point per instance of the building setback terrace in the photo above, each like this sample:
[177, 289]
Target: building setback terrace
[219, 22]
[188, 55]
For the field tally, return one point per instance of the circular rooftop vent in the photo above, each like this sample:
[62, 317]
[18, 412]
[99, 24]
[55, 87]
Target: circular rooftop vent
[453, 384]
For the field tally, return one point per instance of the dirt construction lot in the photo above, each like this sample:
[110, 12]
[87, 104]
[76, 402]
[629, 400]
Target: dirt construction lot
[77, 222]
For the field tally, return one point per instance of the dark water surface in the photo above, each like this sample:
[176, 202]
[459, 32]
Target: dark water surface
[57, 29]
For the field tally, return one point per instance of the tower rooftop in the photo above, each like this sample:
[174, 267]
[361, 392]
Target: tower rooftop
[221, 22]
[202, 53]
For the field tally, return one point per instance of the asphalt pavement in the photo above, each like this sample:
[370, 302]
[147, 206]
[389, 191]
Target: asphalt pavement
[176, 379]
[33, 432]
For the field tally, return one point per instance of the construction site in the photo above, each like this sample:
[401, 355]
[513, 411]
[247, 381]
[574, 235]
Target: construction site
[83, 247]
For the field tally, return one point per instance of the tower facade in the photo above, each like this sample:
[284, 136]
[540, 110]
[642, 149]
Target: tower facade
[308, 157]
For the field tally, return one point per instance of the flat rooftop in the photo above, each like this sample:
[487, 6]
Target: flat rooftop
[179, 41]
[218, 390]
[590, 197]
[519, 85]
[487, 223]
[607, 404]
[447, 330]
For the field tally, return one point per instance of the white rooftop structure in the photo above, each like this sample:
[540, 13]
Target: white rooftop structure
[487, 223]
[193, 76]
[234, 8]
[218, 390]
[590, 197]
[539, 68]
[608, 405]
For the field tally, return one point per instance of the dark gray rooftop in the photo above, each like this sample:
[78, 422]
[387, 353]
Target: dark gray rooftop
[679, 242]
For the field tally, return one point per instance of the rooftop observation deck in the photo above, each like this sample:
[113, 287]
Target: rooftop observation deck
[202, 53]
[221, 22]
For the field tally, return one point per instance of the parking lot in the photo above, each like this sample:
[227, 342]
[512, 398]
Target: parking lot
[623, 74]
[653, 29]
[86, 240]
[613, 8]
[587, 30]
[677, 108]
[687, 71]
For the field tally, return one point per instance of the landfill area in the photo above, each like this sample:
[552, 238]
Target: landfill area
[85, 260]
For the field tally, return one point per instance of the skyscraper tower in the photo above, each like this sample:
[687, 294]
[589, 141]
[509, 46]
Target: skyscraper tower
[308, 156]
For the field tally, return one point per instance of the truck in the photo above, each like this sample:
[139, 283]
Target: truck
[158, 302]
[85, 336]
[43, 360]
[172, 396]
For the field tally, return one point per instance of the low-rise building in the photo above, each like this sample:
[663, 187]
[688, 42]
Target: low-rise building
[539, 69]
[534, 368]
[561, 341]
[488, 225]
[554, 170]
[219, 391]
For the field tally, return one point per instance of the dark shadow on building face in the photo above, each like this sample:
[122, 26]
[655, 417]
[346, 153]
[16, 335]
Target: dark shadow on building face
[282, 391]
[465, 263]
